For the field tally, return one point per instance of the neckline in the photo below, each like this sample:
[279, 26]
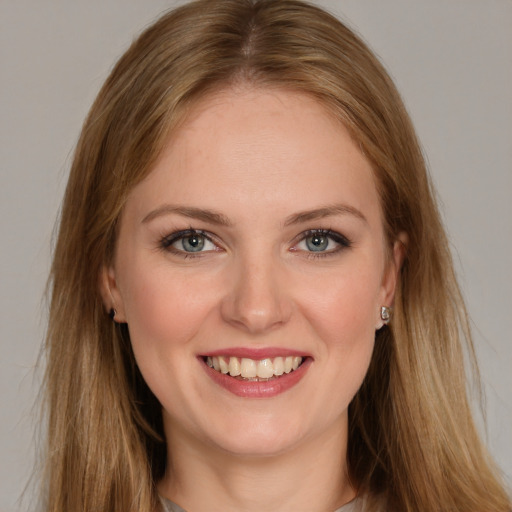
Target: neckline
[170, 506]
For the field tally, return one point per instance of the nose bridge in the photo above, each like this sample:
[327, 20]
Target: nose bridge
[257, 300]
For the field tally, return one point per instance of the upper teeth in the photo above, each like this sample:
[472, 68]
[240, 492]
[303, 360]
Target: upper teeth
[250, 368]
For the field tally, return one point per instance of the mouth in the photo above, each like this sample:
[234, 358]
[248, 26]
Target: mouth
[266, 374]
[254, 370]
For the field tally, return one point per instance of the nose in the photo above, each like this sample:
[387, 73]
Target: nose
[257, 301]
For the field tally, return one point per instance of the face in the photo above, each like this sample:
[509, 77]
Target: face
[251, 267]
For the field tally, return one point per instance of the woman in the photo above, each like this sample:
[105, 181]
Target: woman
[253, 300]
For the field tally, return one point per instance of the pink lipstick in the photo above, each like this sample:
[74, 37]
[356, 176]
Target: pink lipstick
[256, 372]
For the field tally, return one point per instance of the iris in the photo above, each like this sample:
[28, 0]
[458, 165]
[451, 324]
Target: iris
[317, 242]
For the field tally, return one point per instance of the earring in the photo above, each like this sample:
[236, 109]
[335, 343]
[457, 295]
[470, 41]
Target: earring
[385, 314]
[112, 314]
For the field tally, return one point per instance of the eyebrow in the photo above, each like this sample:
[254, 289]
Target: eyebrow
[325, 211]
[219, 219]
[209, 216]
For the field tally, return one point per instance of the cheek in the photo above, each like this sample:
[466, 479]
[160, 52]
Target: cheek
[344, 307]
[341, 314]
[165, 309]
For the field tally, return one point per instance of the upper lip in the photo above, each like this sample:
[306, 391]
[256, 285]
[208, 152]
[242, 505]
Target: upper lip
[256, 353]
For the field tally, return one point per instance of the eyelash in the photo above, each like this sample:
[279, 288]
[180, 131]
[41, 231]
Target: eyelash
[342, 241]
[166, 242]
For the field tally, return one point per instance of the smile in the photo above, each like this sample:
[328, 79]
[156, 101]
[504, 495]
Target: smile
[252, 369]
[256, 373]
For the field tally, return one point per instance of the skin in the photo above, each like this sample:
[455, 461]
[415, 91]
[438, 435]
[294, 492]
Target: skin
[257, 158]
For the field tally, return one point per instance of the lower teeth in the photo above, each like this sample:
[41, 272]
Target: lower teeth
[252, 379]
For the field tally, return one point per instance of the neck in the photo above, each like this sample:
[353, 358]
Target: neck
[311, 476]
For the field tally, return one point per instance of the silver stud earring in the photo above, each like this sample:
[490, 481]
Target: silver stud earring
[112, 314]
[385, 314]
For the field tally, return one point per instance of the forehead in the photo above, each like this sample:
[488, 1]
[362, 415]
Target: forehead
[260, 148]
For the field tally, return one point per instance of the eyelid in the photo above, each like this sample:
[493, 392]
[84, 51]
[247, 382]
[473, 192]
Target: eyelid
[166, 242]
[342, 241]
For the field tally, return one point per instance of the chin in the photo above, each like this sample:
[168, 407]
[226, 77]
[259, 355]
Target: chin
[265, 437]
[256, 446]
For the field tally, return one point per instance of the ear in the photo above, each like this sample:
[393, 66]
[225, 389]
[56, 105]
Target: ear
[391, 272]
[110, 293]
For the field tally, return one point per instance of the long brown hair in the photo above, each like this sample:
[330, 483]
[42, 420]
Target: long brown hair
[412, 443]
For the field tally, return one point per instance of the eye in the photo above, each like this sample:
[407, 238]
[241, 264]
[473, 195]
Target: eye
[318, 242]
[322, 241]
[189, 241]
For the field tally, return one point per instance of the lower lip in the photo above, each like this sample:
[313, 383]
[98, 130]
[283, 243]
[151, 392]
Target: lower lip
[261, 389]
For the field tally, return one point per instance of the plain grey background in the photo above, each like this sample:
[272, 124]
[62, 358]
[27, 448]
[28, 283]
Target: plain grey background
[452, 62]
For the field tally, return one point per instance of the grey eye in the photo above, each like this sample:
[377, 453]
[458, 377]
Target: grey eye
[192, 243]
[322, 242]
[188, 242]
[317, 242]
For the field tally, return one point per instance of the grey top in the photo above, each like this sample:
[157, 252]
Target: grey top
[169, 506]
